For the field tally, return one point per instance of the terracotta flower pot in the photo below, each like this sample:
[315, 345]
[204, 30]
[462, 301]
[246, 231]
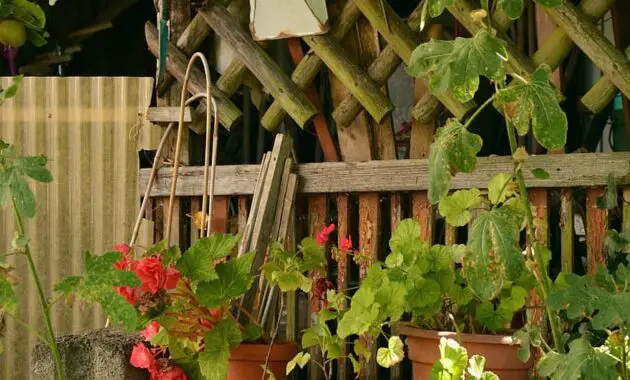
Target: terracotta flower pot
[246, 360]
[500, 353]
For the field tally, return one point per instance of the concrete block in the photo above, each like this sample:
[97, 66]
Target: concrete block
[101, 354]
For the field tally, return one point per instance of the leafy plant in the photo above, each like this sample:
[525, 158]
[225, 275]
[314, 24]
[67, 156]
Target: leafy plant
[454, 364]
[22, 20]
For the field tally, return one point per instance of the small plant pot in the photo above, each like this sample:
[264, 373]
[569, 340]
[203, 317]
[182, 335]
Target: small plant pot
[500, 353]
[247, 360]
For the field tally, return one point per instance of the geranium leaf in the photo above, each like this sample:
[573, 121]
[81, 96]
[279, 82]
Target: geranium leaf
[456, 65]
[494, 252]
[436, 7]
[213, 362]
[424, 293]
[392, 355]
[476, 364]
[392, 295]
[453, 361]
[500, 188]
[234, 279]
[456, 207]
[583, 362]
[540, 173]
[492, 319]
[313, 254]
[454, 150]
[536, 103]
[406, 241]
[362, 314]
[512, 8]
[301, 359]
[198, 262]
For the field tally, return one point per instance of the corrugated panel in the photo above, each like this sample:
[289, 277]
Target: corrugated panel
[91, 129]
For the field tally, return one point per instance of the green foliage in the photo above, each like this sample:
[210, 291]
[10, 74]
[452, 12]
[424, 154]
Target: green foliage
[500, 188]
[456, 207]
[197, 263]
[512, 8]
[300, 360]
[8, 300]
[540, 173]
[582, 362]
[456, 65]
[392, 355]
[362, 314]
[495, 254]
[454, 150]
[436, 7]
[454, 364]
[213, 360]
[31, 15]
[287, 269]
[97, 285]
[405, 241]
[609, 199]
[233, 280]
[536, 103]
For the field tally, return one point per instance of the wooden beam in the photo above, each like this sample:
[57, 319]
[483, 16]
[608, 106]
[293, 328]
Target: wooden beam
[602, 93]
[176, 64]
[593, 43]
[167, 114]
[291, 97]
[596, 227]
[575, 170]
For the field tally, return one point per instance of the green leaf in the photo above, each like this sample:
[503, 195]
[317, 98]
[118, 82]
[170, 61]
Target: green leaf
[394, 260]
[426, 292]
[392, 297]
[437, 259]
[301, 359]
[512, 8]
[541, 173]
[35, 167]
[213, 360]
[536, 103]
[457, 65]
[549, 364]
[454, 150]
[68, 285]
[252, 332]
[361, 350]
[500, 188]
[234, 280]
[8, 300]
[406, 241]
[226, 331]
[453, 361]
[436, 7]
[12, 90]
[362, 314]
[310, 338]
[516, 300]
[456, 207]
[495, 255]
[617, 242]
[609, 199]
[476, 364]
[268, 372]
[198, 262]
[583, 362]
[392, 355]
[24, 198]
[492, 319]
[30, 14]
[313, 254]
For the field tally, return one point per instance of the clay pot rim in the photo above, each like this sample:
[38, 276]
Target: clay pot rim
[416, 332]
[255, 352]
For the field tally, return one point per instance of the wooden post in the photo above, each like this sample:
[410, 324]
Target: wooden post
[538, 198]
[343, 231]
[596, 227]
[291, 97]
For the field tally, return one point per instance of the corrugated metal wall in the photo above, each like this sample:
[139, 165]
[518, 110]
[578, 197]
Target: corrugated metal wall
[91, 129]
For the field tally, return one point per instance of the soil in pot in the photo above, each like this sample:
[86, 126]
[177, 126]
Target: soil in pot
[500, 353]
[246, 360]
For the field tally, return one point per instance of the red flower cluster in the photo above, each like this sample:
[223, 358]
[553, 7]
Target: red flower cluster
[149, 270]
[144, 357]
[322, 236]
[346, 244]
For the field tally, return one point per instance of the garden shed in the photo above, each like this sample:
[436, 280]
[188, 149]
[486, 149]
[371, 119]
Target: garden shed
[443, 156]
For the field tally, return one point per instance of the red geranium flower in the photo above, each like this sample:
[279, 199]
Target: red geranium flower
[173, 372]
[152, 274]
[346, 244]
[129, 294]
[322, 236]
[172, 278]
[141, 357]
[126, 260]
[151, 330]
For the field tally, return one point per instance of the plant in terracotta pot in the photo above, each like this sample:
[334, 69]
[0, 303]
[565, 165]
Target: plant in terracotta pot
[188, 306]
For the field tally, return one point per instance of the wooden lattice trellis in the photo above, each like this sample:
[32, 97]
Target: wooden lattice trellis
[356, 87]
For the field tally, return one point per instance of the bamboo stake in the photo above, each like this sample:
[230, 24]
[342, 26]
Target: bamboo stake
[290, 96]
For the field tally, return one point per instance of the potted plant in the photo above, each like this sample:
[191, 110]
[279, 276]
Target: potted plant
[188, 306]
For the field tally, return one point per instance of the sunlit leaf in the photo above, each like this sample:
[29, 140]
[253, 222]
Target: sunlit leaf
[392, 355]
[453, 361]
[300, 360]
[198, 262]
[536, 103]
[456, 207]
[234, 279]
[500, 188]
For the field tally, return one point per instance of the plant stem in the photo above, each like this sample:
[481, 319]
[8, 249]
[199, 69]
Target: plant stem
[478, 111]
[42, 298]
[543, 276]
[273, 338]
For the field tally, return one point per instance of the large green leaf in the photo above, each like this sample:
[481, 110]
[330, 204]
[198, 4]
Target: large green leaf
[454, 150]
[392, 296]
[492, 319]
[301, 359]
[362, 314]
[512, 8]
[453, 361]
[8, 300]
[406, 241]
[456, 207]
[234, 280]
[198, 262]
[213, 360]
[581, 363]
[536, 103]
[456, 65]
[494, 252]
[426, 292]
[30, 14]
[500, 188]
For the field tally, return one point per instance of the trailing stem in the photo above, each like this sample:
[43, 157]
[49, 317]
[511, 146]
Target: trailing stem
[540, 272]
[52, 341]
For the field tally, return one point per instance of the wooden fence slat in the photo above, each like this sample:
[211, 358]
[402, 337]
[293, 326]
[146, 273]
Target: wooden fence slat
[566, 228]
[538, 198]
[243, 213]
[343, 231]
[220, 215]
[195, 207]
[369, 234]
[577, 169]
[317, 219]
[596, 227]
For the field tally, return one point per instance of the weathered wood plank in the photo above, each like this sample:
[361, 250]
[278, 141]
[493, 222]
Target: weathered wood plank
[566, 228]
[243, 212]
[575, 170]
[596, 227]
[220, 214]
[343, 231]
[290, 96]
[369, 234]
[167, 114]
